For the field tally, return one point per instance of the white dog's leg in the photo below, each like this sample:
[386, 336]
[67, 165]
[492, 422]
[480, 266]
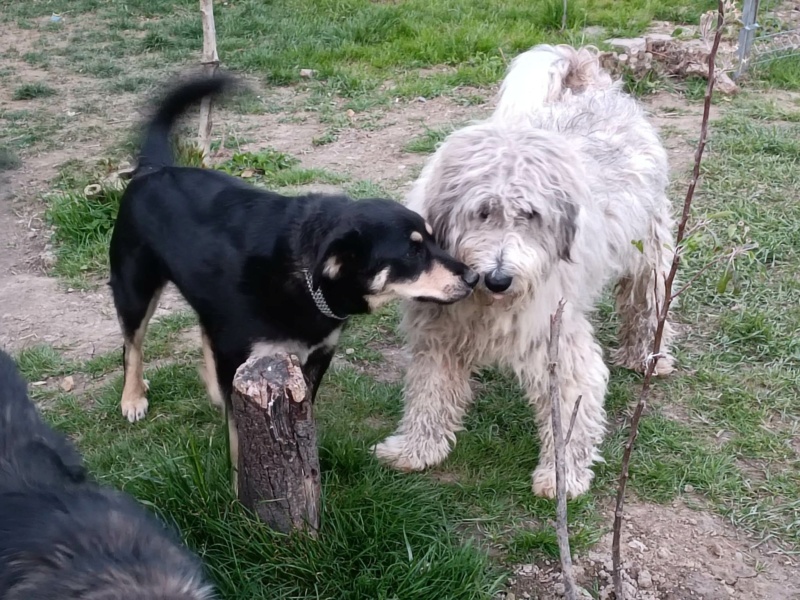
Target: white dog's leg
[640, 298]
[583, 373]
[437, 395]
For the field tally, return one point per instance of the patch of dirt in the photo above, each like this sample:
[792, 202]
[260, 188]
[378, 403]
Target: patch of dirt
[669, 553]
[685, 553]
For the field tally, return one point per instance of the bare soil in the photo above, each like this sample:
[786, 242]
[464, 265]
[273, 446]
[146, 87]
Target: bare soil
[674, 552]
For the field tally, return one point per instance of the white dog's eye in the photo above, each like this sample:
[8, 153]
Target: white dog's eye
[484, 214]
[530, 215]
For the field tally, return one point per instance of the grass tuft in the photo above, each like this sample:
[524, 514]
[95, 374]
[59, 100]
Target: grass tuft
[30, 91]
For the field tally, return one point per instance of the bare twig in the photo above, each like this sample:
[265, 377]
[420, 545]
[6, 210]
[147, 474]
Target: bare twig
[662, 317]
[562, 531]
[572, 420]
[210, 62]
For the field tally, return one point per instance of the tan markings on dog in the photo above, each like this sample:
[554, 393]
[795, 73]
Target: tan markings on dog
[332, 267]
[428, 228]
[379, 281]
[208, 372]
[134, 390]
[416, 236]
[299, 349]
[437, 283]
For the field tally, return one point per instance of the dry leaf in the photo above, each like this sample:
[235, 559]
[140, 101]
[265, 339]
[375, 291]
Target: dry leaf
[247, 173]
[68, 384]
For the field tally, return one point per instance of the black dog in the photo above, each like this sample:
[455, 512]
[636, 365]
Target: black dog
[63, 536]
[264, 272]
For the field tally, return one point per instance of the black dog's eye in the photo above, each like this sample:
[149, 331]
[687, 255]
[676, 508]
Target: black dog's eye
[414, 250]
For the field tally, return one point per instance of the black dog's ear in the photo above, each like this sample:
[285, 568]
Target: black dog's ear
[566, 228]
[339, 251]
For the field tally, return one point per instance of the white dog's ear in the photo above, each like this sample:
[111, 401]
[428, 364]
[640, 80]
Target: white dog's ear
[439, 218]
[566, 227]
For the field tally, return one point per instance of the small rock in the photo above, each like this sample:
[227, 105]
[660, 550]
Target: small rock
[688, 488]
[663, 553]
[637, 545]
[715, 549]
[526, 595]
[308, 73]
[738, 556]
[511, 596]
[628, 45]
[350, 351]
[67, 384]
[645, 580]
[560, 589]
[420, 99]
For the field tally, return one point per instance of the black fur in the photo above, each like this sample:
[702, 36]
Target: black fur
[63, 536]
[238, 253]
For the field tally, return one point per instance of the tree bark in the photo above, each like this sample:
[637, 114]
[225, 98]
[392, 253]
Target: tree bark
[279, 476]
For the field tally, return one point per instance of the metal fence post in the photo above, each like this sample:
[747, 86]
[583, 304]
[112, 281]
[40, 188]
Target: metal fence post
[746, 35]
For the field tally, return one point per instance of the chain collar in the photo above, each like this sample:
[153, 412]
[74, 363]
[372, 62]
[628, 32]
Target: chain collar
[319, 299]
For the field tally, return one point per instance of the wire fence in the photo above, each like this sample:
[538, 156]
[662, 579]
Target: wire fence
[766, 35]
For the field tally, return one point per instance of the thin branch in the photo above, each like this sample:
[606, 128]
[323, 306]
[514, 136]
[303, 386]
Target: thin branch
[564, 17]
[562, 531]
[572, 420]
[662, 317]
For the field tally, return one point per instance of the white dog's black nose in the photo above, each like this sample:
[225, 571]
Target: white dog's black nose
[471, 278]
[497, 281]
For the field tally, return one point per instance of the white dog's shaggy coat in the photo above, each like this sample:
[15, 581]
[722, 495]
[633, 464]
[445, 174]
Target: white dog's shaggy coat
[559, 193]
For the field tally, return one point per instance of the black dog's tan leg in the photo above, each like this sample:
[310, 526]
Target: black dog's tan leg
[208, 372]
[134, 391]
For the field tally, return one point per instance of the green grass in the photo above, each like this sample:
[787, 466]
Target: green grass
[725, 424]
[428, 141]
[354, 45]
[30, 91]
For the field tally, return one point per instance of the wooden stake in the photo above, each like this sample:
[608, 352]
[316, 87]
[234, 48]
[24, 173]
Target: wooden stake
[562, 529]
[210, 62]
[279, 476]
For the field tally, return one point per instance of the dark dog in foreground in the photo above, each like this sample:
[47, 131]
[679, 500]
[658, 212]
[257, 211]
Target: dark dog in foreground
[264, 272]
[63, 536]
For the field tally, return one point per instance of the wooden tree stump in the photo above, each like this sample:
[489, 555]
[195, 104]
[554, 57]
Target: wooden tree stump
[279, 476]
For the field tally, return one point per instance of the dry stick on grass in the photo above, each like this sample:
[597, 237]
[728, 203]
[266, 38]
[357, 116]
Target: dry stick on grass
[564, 17]
[210, 62]
[560, 449]
[663, 312]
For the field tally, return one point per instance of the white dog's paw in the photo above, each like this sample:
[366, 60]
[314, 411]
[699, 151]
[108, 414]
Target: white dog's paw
[544, 482]
[134, 408]
[398, 452]
[664, 366]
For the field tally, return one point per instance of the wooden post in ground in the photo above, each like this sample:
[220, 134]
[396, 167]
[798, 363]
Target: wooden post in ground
[279, 476]
[210, 62]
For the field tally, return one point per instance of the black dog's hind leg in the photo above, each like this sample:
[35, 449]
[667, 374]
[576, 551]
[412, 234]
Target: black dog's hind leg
[315, 368]
[136, 282]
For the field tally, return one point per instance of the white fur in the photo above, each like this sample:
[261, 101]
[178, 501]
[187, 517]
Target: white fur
[557, 188]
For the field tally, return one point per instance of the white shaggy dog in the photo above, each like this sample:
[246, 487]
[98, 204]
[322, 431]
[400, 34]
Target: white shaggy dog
[560, 192]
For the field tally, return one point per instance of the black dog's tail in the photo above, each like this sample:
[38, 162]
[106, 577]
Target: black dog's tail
[30, 450]
[156, 150]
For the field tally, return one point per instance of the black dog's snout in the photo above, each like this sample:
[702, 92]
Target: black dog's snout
[498, 281]
[471, 278]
